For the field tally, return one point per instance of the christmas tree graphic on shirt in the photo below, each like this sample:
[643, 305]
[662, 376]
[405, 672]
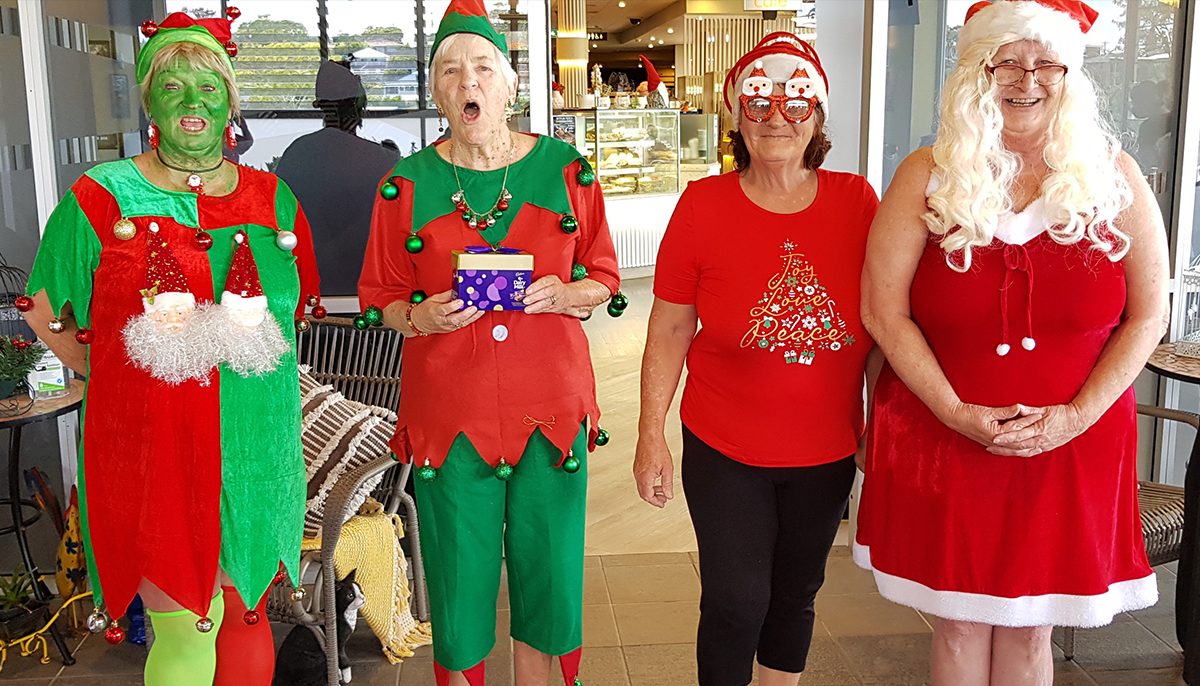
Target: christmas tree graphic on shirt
[796, 316]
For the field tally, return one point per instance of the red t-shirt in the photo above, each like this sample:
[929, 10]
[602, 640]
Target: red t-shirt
[775, 374]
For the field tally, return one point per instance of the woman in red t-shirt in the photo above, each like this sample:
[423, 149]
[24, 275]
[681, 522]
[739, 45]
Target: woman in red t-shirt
[769, 258]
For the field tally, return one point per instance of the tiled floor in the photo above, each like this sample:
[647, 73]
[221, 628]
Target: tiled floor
[639, 630]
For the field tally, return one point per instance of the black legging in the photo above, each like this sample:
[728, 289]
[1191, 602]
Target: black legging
[764, 536]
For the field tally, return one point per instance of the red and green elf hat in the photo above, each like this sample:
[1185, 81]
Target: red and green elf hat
[467, 16]
[216, 34]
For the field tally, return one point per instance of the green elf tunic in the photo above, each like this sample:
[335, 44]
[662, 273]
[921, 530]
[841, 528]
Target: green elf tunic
[512, 390]
[178, 479]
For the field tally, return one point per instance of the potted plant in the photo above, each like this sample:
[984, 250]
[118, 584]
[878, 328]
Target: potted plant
[17, 358]
[21, 613]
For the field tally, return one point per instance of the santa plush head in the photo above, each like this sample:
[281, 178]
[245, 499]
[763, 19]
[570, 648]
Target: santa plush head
[170, 339]
[1060, 25]
[780, 58]
[251, 340]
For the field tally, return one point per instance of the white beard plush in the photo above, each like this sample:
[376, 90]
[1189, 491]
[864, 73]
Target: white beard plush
[171, 339]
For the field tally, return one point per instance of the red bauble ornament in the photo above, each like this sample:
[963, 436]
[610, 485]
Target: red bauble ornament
[149, 28]
[114, 634]
[232, 13]
[231, 49]
[502, 205]
[280, 576]
[203, 239]
[20, 345]
[251, 617]
[84, 336]
[23, 303]
[319, 312]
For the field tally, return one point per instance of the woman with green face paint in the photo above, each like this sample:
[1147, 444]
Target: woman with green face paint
[182, 278]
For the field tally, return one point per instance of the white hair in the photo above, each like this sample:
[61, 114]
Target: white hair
[505, 68]
[1083, 194]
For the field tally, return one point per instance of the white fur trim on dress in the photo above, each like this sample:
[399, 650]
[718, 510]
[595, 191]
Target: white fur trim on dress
[1030, 20]
[1052, 609]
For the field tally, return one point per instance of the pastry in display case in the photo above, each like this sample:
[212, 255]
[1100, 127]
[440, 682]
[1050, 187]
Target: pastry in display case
[634, 152]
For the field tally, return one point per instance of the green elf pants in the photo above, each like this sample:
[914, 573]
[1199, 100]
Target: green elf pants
[536, 518]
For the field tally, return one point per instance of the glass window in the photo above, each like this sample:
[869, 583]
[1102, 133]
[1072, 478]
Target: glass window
[18, 209]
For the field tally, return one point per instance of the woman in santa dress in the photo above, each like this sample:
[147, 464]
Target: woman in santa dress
[1001, 477]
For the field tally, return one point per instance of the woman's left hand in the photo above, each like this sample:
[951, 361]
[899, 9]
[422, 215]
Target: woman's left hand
[549, 295]
[1056, 427]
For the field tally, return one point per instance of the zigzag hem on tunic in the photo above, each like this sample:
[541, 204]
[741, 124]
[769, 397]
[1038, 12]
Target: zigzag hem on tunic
[1051, 609]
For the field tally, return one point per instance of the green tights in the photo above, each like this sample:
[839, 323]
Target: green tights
[181, 655]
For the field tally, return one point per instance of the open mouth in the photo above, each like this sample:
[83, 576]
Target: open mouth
[192, 124]
[471, 111]
[1022, 102]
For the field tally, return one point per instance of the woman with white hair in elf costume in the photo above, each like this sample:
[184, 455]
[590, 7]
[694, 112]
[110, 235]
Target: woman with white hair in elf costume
[1016, 280]
[497, 405]
[172, 280]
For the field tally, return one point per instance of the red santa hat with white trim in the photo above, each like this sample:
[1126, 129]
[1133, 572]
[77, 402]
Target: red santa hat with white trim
[1059, 25]
[243, 296]
[653, 80]
[782, 58]
[166, 284]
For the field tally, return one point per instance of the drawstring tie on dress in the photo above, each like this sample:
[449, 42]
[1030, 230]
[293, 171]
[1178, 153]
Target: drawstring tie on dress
[1016, 261]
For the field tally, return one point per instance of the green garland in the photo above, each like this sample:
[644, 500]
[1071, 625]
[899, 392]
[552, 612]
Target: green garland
[18, 357]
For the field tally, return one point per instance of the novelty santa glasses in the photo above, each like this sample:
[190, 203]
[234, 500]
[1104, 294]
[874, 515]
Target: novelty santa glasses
[794, 108]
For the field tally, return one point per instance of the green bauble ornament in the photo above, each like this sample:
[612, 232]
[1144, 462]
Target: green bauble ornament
[601, 437]
[619, 301]
[417, 296]
[586, 176]
[414, 244]
[504, 470]
[578, 682]
[389, 191]
[579, 272]
[373, 316]
[571, 464]
[360, 322]
[568, 224]
[614, 311]
[496, 214]
[427, 472]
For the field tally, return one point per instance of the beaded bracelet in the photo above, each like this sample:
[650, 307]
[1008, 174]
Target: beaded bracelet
[408, 319]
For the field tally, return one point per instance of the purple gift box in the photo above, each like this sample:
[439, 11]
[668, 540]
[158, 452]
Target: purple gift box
[492, 278]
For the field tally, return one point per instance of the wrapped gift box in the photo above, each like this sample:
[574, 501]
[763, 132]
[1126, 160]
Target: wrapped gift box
[492, 278]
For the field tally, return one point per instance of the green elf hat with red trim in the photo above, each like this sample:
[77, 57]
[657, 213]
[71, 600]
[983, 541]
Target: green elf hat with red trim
[467, 16]
[216, 34]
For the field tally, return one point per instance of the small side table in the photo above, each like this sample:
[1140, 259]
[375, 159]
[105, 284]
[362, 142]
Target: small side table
[41, 411]
[1166, 363]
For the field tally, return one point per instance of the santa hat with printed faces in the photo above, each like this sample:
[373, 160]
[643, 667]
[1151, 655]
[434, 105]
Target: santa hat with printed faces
[166, 285]
[243, 296]
[1059, 25]
[782, 58]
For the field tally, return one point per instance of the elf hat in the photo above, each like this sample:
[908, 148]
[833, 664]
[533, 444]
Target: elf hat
[1059, 25]
[652, 78]
[467, 16]
[216, 34]
[243, 295]
[166, 285]
[778, 58]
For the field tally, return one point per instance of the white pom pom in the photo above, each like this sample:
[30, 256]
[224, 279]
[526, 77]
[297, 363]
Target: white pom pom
[1003, 349]
[239, 237]
[153, 227]
[1028, 343]
[758, 64]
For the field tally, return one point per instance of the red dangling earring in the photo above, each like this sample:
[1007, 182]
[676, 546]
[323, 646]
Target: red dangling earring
[153, 136]
[230, 139]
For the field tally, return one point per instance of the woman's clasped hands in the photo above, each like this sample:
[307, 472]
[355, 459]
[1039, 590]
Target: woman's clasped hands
[1018, 430]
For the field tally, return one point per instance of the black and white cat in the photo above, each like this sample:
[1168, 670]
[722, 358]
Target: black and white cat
[301, 659]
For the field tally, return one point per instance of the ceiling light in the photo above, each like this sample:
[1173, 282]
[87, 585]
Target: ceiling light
[593, 46]
[670, 30]
[660, 42]
[621, 4]
[651, 39]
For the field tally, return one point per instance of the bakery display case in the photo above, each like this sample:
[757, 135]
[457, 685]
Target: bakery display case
[634, 152]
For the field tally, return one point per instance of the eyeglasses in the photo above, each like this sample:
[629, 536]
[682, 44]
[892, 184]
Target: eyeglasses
[759, 108]
[1012, 74]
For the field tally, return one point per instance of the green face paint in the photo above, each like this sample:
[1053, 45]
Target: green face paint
[190, 107]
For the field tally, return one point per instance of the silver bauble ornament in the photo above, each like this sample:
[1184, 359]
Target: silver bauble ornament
[96, 622]
[204, 625]
[286, 240]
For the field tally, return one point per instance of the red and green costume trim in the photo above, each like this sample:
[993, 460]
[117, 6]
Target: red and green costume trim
[176, 480]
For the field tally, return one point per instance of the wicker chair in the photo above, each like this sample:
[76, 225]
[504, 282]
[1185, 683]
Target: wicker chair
[1162, 513]
[363, 366]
